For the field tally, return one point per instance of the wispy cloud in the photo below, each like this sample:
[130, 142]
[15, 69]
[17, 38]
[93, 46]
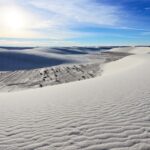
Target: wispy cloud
[79, 11]
[64, 20]
[146, 33]
[55, 19]
[35, 42]
[147, 8]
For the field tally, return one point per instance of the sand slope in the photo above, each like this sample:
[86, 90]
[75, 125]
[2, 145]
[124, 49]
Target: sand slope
[111, 112]
[39, 67]
[35, 58]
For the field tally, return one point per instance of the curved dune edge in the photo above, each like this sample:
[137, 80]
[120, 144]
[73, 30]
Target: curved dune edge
[110, 112]
[86, 67]
[126, 63]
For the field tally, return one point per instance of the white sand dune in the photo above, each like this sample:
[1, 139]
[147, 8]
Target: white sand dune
[133, 50]
[37, 67]
[110, 112]
[34, 58]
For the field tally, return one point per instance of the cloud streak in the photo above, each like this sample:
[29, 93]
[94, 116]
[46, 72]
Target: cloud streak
[79, 11]
[72, 19]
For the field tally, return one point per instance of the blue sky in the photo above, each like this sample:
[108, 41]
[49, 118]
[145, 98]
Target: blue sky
[74, 22]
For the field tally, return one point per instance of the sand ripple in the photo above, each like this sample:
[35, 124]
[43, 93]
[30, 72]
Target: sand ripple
[104, 113]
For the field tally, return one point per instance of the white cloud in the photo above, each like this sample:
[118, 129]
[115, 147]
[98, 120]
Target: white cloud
[79, 11]
[147, 8]
[55, 18]
[146, 33]
[17, 42]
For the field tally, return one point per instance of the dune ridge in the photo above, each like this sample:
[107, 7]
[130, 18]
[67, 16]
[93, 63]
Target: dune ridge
[39, 67]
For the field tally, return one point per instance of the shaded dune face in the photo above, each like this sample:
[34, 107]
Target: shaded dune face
[16, 48]
[11, 61]
[77, 50]
[67, 51]
[23, 58]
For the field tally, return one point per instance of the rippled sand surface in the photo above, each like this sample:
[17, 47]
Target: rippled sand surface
[110, 112]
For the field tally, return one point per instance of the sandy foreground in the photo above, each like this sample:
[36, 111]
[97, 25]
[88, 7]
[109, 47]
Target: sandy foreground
[109, 112]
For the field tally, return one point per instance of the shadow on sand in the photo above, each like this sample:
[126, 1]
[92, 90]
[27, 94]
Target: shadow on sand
[11, 61]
